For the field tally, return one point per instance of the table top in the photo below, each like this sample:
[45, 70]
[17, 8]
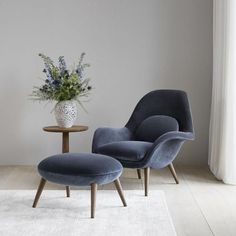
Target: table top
[57, 129]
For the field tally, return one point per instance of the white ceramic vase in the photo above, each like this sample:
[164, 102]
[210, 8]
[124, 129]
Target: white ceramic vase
[66, 113]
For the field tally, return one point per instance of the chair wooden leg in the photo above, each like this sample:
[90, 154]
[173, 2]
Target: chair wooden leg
[67, 191]
[146, 179]
[172, 170]
[139, 173]
[120, 191]
[39, 191]
[93, 199]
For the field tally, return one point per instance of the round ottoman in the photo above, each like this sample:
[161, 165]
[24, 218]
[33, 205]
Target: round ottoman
[80, 169]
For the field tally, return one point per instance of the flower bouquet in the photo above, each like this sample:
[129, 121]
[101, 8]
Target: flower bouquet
[64, 86]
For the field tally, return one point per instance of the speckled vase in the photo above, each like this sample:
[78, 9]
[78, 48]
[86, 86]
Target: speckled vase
[66, 113]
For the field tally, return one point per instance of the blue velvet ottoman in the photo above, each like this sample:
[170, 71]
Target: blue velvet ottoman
[80, 169]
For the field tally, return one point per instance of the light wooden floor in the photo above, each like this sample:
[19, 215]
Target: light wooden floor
[200, 205]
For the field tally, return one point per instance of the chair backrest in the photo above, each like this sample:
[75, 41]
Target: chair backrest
[154, 126]
[171, 103]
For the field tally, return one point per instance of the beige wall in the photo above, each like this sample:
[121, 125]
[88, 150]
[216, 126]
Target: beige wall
[134, 46]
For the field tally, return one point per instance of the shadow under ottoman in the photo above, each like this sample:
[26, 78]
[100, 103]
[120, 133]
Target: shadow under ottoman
[80, 169]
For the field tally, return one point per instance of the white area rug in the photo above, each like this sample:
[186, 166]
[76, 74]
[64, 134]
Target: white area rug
[61, 216]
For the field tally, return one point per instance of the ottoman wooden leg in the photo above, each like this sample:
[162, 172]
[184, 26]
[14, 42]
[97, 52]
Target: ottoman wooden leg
[93, 199]
[120, 191]
[39, 191]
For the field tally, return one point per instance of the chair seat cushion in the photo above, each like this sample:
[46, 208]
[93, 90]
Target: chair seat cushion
[126, 150]
[80, 169]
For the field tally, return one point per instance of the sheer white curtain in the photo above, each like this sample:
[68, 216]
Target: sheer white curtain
[222, 145]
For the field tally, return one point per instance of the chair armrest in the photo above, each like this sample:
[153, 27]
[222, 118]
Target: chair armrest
[107, 135]
[174, 135]
[166, 148]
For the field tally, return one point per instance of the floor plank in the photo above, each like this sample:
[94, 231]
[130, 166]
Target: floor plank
[216, 200]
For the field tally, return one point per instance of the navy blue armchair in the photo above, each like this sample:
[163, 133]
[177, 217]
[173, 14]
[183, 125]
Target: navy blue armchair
[153, 136]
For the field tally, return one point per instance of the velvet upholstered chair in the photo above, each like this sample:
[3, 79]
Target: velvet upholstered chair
[153, 136]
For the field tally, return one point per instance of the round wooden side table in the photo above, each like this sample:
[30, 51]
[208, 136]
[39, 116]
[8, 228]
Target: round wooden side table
[65, 139]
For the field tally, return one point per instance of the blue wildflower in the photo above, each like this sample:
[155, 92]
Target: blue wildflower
[49, 77]
[81, 59]
[47, 71]
[62, 64]
[56, 82]
[80, 72]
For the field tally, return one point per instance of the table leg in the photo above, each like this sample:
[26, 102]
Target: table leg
[65, 142]
[65, 148]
